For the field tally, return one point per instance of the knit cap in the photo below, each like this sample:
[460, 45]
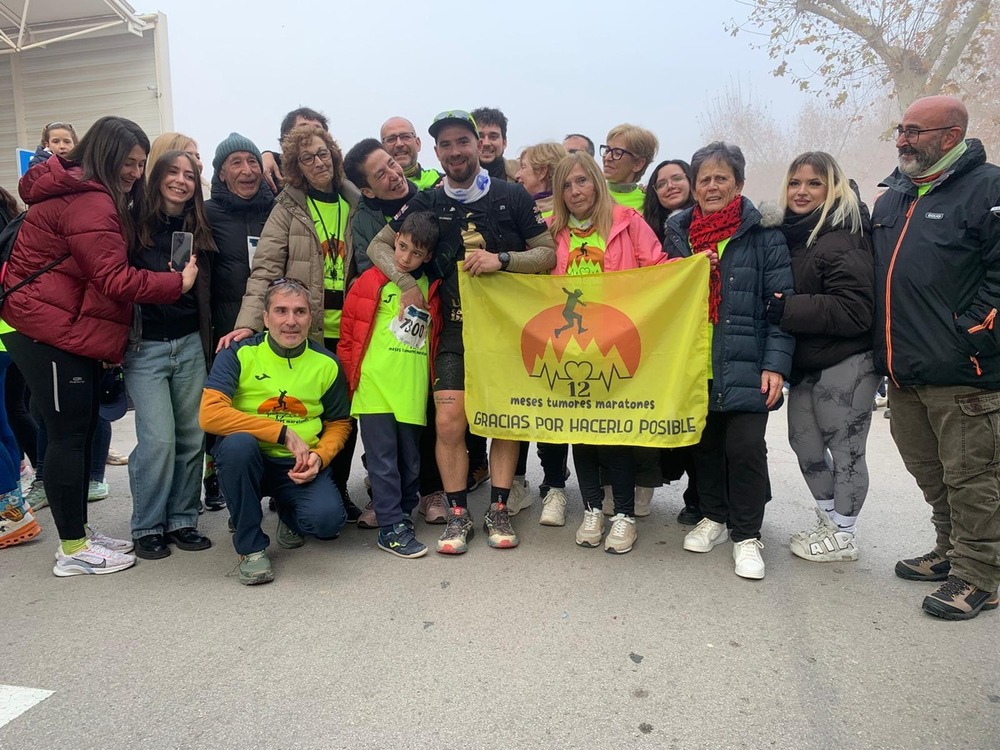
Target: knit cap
[235, 142]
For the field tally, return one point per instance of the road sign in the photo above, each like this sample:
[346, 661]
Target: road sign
[23, 157]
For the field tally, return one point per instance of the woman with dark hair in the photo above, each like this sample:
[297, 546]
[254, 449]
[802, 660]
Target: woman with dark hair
[76, 314]
[165, 367]
[749, 358]
[667, 193]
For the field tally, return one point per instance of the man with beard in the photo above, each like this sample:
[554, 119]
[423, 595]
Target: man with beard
[403, 144]
[494, 226]
[492, 124]
[937, 265]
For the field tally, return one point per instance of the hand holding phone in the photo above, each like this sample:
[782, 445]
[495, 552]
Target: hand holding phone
[181, 244]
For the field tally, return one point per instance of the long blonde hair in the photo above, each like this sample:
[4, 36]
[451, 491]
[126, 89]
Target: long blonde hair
[167, 142]
[841, 206]
[602, 215]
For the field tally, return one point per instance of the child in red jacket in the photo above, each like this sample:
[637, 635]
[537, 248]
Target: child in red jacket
[388, 365]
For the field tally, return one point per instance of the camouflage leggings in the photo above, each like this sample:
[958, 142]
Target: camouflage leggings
[829, 414]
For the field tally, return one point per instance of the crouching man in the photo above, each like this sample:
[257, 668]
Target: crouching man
[279, 404]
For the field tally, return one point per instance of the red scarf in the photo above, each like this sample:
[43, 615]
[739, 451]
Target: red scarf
[705, 234]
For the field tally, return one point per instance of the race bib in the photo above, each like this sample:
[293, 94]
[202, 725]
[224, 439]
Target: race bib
[412, 329]
[251, 247]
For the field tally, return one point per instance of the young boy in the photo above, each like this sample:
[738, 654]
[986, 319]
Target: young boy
[387, 363]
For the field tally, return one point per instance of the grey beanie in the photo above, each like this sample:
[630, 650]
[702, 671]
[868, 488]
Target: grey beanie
[235, 142]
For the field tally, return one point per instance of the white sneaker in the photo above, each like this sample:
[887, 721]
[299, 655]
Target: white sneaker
[622, 536]
[881, 401]
[97, 491]
[822, 519]
[591, 530]
[705, 536]
[93, 559]
[103, 540]
[519, 497]
[608, 506]
[643, 501]
[553, 508]
[825, 543]
[749, 563]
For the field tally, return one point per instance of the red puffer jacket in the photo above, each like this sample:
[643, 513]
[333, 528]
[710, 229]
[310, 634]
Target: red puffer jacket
[84, 304]
[358, 319]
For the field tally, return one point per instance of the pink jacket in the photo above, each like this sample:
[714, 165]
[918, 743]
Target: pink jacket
[631, 244]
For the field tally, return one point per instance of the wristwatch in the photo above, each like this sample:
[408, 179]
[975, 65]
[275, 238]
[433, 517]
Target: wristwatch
[504, 260]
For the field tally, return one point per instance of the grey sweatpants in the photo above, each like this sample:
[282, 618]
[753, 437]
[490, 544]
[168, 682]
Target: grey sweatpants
[829, 414]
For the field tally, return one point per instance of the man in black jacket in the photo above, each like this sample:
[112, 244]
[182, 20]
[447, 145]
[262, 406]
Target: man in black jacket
[937, 264]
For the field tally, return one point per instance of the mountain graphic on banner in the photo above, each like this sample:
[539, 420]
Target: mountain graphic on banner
[578, 365]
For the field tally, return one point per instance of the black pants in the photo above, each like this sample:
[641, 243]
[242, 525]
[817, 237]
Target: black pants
[731, 463]
[65, 389]
[522, 459]
[619, 463]
[23, 425]
[553, 457]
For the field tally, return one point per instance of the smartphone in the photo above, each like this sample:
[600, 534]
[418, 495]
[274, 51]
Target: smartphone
[180, 249]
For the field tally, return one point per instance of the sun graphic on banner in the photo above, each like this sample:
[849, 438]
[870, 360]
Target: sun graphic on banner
[581, 344]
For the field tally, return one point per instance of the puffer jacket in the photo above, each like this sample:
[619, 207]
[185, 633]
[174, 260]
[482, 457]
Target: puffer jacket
[289, 246]
[84, 304]
[937, 277]
[357, 322]
[630, 244]
[754, 265]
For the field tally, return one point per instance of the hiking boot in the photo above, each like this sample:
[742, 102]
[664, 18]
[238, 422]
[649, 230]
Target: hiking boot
[690, 516]
[287, 538]
[17, 524]
[213, 494]
[496, 523]
[705, 536]
[478, 475]
[367, 518]
[255, 568]
[592, 529]
[553, 508]
[434, 507]
[929, 567]
[825, 543]
[401, 542]
[456, 536]
[35, 497]
[622, 536]
[519, 497]
[643, 501]
[93, 559]
[958, 600]
[746, 555]
[97, 491]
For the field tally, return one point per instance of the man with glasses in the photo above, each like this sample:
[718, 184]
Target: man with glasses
[627, 153]
[403, 144]
[492, 124]
[279, 404]
[937, 265]
[493, 226]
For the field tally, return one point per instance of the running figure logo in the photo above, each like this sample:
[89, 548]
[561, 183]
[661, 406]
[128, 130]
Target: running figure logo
[572, 300]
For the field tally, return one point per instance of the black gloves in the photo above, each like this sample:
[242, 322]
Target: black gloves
[775, 309]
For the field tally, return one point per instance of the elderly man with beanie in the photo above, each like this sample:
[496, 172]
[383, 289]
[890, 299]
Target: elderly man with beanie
[240, 204]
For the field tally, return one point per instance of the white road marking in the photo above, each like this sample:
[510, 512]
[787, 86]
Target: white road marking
[14, 701]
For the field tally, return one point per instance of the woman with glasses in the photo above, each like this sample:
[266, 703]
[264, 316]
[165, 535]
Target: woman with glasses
[749, 359]
[626, 155]
[308, 237]
[833, 378]
[668, 192]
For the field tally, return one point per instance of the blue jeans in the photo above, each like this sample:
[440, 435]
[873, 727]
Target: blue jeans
[393, 451]
[165, 380]
[10, 454]
[246, 475]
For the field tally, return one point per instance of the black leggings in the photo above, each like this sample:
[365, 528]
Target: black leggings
[65, 389]
[19, 417]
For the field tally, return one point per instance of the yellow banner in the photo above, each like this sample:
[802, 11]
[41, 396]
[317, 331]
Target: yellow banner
[606, 359]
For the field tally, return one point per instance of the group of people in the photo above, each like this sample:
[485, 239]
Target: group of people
[319, 300]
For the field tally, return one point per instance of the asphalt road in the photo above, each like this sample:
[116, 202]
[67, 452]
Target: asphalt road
[546, 646]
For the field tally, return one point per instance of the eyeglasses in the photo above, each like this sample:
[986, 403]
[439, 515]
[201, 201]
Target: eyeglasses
[307, 159]
[677, 179]
[615, 153]
[912, 135]
[402, 137]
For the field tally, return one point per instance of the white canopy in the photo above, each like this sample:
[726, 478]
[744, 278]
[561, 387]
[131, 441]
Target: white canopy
[27, 24]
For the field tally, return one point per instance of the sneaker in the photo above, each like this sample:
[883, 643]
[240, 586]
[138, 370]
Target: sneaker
[116, 459]
[17, 524]
[749, 563]
[643, 501]
[496, 523]
[213, 494]
[822, 522]
[958, 600]
[434, 507]
[881, 401]
[352, 511]
[367, 518]
[929, 567]
[622, 536]
[519, 497]
[554, 508]
[93, 559]
[689, 516]
[608, 506]
[401, 542]
[35, 496]
[705, 536]
[108, 542]
[592, 529]
[287, 538]
[825, 543]
[97, 491]
[477, 476]
[255, 568]
[887, 414]
[543, 488]
[456, 536]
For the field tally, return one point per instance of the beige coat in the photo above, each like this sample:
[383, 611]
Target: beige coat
[289, 246]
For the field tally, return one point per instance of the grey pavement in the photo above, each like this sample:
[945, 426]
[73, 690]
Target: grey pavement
[545, 646]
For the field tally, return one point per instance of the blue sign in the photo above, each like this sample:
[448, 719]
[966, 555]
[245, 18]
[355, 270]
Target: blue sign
[23, 157]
